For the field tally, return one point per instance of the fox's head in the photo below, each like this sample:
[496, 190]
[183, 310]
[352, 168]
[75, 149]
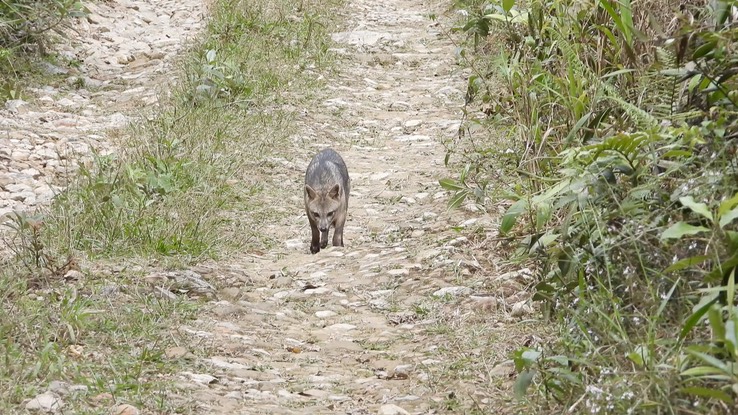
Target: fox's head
[323, 205]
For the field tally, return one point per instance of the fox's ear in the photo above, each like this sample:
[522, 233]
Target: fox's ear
[310, 192]
[333, 194]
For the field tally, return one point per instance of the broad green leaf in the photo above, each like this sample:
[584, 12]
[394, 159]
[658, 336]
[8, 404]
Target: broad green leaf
[728, 217]
[530, 355]
[512, 17]
[714, 315]
[510, 217]
[458, 199]
[730, 335]
[560, 359]
[732, 239]
[677, 153]
[680, 229]
[636, 358]
[580, 123]
[640, 356]
[701, 371]
[695, 318]
[730, 295]
[451, 184]
[686, 263]
[728, 205]
[616, 73]
[522, 382]
[694, 83]
[708, 393]
[696, 207]
[507, 5]
[666, 299]
[712, 361]
[703, 50]
[543, 214]
[545, 240]
[626, 14]
[721, 12]
[553, 191]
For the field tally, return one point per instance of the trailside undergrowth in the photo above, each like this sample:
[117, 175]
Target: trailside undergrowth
[26, 29]
[190, 180]
[607, 133]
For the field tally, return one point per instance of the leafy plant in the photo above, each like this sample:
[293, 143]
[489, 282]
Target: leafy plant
[623, 149]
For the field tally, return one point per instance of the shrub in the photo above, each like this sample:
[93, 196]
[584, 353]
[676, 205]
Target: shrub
[623, 139]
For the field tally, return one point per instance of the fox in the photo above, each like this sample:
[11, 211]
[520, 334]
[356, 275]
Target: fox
[327, 187]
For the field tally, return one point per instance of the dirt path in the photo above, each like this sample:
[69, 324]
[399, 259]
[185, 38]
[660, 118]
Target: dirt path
[362, 329]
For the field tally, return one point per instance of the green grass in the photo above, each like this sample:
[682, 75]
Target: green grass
[77, 334]
[611, 185]
[192, 180]
[22, 49]
[189, 182]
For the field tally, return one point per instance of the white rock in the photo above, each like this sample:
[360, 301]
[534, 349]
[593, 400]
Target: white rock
[413, 123]
[48, 402]
[16, 106]
[379, 176]
[325, 313]
[428, 216]
[58, 387]
[66, 102]
[342, 327]
[412, 137]
[407, 200]
[521, 309]
[294, 244]
[390, 409]
[359, 37]
[18, 188]
[453, 291]
[201, 378]
[118, 120]
[31, 172]
[317, 291]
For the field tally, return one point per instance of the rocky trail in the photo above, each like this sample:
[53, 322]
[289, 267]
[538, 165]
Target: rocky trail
[115, 64]
[352, 330]
[385, 325]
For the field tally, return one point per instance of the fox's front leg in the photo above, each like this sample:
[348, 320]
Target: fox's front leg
[338, 231]
[315, 241]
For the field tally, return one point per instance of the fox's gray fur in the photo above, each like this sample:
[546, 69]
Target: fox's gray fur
[327, 187]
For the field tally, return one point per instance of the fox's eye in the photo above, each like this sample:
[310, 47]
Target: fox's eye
[316, 214]
[330, 214]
